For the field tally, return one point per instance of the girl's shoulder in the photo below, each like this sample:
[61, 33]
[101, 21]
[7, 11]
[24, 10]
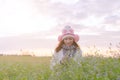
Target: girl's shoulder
[79, 51]
[58, 53]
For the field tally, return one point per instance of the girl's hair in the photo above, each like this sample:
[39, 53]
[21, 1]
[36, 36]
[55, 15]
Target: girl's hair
[59, 47]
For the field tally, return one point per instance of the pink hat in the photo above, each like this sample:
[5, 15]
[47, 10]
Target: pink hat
[68, 31]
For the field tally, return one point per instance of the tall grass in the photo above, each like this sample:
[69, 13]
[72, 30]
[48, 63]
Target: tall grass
[93, 66]
[24, 68]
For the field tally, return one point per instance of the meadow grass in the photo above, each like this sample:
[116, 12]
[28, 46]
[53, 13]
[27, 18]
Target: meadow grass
[24, 68]
[37, 68]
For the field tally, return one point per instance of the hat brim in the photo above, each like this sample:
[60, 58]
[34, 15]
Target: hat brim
[75, 36]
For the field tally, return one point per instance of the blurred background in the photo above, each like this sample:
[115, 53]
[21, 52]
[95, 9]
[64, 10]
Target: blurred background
[32, 26]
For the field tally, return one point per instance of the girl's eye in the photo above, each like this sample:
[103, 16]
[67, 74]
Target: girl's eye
[68, 38]
[65, 39]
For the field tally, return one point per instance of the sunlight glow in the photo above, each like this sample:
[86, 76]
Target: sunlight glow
[17, 17]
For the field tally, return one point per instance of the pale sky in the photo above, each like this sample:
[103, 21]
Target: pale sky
[33, 24]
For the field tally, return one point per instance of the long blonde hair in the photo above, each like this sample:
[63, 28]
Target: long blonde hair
[59, 47]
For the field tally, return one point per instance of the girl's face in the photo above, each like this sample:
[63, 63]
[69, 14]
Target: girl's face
[68, 41]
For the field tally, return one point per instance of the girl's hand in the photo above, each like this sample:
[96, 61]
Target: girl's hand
[64, 60]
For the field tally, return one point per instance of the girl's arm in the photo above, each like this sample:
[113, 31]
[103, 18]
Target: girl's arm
[55, 59]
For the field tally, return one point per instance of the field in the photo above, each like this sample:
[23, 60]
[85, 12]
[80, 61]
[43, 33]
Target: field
[37, 68]
[24, 68]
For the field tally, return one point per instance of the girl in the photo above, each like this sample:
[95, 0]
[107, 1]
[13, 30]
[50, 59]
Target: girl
[67, 48]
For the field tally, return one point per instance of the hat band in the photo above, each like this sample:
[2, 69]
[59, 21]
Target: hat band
[68, 35]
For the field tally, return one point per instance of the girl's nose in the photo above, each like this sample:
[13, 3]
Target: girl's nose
[68, 41]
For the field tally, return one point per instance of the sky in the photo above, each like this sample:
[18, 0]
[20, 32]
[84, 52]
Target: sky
[36, 24]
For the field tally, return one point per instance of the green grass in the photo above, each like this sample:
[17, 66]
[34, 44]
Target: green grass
[37, 68]
[24, 68]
